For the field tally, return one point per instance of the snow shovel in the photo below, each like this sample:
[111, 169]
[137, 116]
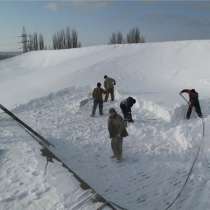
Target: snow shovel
[85, 101]
[184, 98]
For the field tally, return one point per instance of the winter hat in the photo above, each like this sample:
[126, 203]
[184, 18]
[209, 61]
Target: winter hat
[132, 100]
[99, 84]
[105, 76]
[112, 110]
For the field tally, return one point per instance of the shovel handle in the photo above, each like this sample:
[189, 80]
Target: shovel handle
[184, 98]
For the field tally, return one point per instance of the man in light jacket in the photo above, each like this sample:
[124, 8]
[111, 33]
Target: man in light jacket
[109, 87]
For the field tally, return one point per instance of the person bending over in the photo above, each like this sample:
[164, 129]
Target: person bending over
[125, 106]
[193, 102]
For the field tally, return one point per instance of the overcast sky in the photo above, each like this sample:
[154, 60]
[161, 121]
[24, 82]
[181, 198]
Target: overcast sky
[95, 21]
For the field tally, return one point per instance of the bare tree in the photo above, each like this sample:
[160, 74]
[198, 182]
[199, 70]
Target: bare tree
[41, 42]
[120, 39]
[116, 38]
[134, 36]
[68, 38]
[30, 42]
[35, 42]
[113, 39]
[24, 40]
[55, 42]
[130, 37]
[74, 39]
[62, 39]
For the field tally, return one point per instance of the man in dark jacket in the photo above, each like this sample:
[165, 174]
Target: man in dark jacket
[109, 87]
[117, 131]
[193, 102]
[125, 106]
[98, 99]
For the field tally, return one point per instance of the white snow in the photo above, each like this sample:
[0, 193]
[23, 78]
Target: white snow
[26, 182]
[46, 88]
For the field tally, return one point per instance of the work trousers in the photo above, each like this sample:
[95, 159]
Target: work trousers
[197, 109]
[116, 144]
[95, 104]
[126, 112]
[111, 92]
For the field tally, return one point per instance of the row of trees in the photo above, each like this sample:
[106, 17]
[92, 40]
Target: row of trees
[133, 36]
[32, 41]
[66, 39]
[61, 40]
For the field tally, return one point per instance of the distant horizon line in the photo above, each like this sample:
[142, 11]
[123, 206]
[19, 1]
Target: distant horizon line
[93, 45]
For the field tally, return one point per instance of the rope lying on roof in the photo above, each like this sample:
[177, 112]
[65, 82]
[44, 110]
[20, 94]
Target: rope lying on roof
[191, 168]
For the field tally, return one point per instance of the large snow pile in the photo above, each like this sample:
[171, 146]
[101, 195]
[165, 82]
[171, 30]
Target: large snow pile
[139, 69]
[48, 86]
